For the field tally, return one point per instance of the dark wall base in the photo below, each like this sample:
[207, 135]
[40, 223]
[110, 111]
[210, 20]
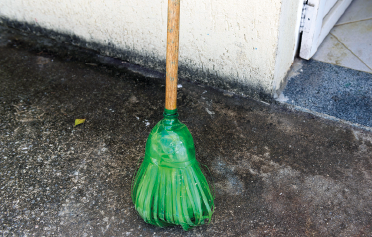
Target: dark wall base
[135, 57]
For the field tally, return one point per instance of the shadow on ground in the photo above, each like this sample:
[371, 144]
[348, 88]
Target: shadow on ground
[277, 172]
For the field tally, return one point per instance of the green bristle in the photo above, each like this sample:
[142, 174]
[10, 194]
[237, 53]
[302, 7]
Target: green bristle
[170, 188]
[172, 196]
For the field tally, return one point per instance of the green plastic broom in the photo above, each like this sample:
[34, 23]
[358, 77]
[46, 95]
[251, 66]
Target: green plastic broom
[169, 187]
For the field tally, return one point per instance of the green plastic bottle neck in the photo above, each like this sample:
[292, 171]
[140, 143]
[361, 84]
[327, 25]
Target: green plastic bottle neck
[170, 118]
[170, 114]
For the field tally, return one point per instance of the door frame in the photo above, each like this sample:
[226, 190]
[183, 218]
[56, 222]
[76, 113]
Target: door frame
[319, 18]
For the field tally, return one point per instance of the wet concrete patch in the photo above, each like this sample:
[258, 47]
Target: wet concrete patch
[276, 172]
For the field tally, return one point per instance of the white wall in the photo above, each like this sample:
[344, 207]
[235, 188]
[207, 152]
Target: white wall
[237, 40]
[289, 26]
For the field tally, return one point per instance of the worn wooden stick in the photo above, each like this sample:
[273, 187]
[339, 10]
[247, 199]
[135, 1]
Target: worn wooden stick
[172, 54]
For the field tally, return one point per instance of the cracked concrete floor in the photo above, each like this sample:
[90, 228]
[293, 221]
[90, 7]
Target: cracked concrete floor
[277, 172]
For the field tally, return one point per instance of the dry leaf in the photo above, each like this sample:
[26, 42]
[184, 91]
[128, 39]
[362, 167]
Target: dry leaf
[79, 121]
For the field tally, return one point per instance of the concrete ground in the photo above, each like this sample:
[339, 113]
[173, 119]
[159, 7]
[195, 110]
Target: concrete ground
[276, 171]
[332, 90]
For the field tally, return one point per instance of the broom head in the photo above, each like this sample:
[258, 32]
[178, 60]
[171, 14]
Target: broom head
[169, 187]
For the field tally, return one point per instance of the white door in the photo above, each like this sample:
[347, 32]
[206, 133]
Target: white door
[319, 18]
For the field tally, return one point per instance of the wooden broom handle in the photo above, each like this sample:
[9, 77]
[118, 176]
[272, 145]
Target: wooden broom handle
[172, 54]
